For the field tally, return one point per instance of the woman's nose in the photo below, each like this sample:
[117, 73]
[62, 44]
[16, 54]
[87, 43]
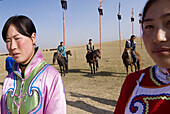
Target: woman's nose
[160, 36]
[13, 44]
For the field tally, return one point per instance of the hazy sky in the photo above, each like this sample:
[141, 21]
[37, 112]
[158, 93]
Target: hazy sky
[82, 20]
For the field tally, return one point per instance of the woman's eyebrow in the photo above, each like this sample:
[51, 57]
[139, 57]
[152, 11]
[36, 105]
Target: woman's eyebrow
[165, 15]
[13, 36]
[146, 20]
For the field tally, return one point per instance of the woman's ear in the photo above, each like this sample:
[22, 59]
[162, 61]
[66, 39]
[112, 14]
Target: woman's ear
[33, 36]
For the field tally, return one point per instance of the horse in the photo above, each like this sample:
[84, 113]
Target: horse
[127, 60]
[92, 59]
[63, 64]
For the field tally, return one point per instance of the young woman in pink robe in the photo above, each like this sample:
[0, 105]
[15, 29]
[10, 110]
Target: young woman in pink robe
[33, 86]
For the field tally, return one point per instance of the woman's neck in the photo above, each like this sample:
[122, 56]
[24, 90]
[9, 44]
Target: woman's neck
[23, 67]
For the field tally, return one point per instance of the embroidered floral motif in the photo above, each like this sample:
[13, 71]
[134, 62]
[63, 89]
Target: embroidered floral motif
[27, 97]
[147, 101]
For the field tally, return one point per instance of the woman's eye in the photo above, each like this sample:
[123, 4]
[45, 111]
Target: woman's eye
[8, 41]
[17, 38]
[148, 26]
[168, 23]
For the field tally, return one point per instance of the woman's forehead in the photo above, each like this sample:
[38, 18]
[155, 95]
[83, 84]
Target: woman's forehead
[158, 9]
[12, 31]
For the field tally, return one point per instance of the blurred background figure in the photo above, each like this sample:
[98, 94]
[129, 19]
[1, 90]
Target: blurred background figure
[9, 64]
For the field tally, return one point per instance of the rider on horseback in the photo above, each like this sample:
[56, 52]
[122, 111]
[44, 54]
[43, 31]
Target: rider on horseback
[90, 49]
[61, 50]
[132, 45]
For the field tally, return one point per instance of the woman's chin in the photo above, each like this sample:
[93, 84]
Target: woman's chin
[164, 64]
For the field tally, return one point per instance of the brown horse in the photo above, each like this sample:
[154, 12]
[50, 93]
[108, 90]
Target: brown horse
[63, 64]
[92, 59]
[127, 60]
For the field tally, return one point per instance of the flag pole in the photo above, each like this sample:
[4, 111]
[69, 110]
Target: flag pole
[119, 18]
[140, 22]
[100, 9]
[64, 7]
[132, 20]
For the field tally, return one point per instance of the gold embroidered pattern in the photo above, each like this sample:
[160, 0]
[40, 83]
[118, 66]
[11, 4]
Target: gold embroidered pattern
[146, 100]
[152, 78]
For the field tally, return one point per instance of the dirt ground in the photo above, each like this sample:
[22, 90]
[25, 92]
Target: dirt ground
[88, 93]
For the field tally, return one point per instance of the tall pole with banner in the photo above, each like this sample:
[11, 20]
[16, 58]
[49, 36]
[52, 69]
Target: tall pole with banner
[119, 18]
[64, 7]
[132, 20]
[100, 9]
[140, 22]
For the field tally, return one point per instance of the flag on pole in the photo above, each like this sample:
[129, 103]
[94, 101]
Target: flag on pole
[64, 4]
[119, 15]
[100, 9]
[132, 18]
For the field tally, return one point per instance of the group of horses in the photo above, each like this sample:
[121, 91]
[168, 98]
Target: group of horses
[63, 64]
[93, 62]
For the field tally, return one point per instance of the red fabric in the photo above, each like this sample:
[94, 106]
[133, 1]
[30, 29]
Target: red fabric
[128, 87]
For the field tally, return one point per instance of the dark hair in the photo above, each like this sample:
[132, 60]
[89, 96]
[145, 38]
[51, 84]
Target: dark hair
[61, 42]
[23, 25]
[146, 8]
[90, 40]
[132, 36]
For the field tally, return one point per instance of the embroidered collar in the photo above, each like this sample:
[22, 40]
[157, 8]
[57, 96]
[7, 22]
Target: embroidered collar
[159, 75]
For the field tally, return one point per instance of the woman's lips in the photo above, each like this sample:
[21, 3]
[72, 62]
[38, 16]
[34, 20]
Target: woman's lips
[161, 51]
[15, 55]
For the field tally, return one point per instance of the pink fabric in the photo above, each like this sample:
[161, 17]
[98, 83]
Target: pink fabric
[50, 84]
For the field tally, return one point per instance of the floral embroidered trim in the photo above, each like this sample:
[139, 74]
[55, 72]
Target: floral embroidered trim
[144, 100]
[36, 88]
[13, 92]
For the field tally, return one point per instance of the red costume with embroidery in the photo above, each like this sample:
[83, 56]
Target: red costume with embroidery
[150, 95]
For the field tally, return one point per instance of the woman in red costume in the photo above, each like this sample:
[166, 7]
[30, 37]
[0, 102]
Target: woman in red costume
[148, 91]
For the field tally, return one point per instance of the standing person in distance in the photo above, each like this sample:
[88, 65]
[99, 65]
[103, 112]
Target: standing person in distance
[9, 64]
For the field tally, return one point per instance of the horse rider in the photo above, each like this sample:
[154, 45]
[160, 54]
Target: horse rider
[61, 50]
[90, 48]
[132, 45]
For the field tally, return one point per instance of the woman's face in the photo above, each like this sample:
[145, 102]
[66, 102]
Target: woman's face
[19, 46]
[156, 32]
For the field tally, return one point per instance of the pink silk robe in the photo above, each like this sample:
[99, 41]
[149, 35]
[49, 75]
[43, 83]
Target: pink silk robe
[41, 91]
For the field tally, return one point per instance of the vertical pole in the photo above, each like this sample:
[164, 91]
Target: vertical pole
[141, 34]
[132, 29]
[63, 26]
[132, 20]
[100, 36]
[120, 37]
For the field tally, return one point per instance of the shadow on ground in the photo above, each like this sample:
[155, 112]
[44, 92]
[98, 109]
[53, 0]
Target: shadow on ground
[1, 83]
[100, 100]
[87, 73]
[89, 108]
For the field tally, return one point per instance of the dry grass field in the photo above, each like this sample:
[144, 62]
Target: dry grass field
[92, 93]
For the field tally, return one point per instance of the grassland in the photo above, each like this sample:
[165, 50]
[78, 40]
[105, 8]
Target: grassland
[92, 93]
